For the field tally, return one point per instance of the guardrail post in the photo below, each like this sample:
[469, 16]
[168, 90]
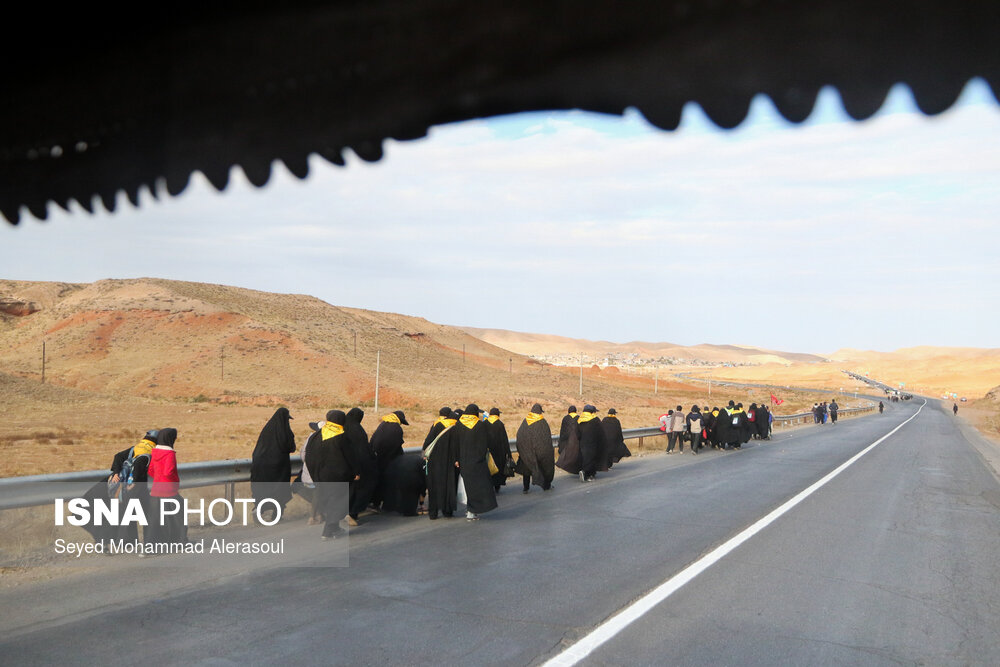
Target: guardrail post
[640, 441]
[231, 492]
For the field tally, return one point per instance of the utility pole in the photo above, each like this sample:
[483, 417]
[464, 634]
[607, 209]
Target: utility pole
[378, 363]
[709, 386]
[43, 362]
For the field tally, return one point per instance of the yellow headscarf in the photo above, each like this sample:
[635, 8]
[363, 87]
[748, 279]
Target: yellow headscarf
[448, 423]
[573, 415]
[532, 418]
[493, 418]
[469, 421]
[587, 416]
[144, 447]
[331, 430]
[391, 417]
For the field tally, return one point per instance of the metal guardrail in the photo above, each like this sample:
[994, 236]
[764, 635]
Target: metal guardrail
[36, 490]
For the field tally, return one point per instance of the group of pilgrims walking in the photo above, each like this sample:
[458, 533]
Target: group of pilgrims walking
[730, 427]
[466, 456]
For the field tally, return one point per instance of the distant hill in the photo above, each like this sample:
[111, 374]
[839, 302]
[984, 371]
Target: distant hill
[540, 345]
[161, 338]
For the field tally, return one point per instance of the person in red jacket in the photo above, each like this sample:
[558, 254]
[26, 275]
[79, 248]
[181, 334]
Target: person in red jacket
[165, 485]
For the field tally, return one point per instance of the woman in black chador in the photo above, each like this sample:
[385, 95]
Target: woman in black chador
[387, 444]
[499, 447]
[535, 456]
[270, 468]
[332, 460]
[617, 449]
[364, 457]
[593, 446]
[441, 455]
[567, 428]
[473, 444]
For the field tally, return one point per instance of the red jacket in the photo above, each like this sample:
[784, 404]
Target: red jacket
[163, 473]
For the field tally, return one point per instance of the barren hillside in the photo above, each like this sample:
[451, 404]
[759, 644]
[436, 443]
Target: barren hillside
[539, 345]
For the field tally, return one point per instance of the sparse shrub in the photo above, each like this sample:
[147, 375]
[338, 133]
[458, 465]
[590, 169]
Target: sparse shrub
[64, 441]
[200, 398]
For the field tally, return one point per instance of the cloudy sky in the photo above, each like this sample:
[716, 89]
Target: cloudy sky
[873, 235]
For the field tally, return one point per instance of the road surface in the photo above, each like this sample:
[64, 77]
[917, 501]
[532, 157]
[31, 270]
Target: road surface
[892, 561]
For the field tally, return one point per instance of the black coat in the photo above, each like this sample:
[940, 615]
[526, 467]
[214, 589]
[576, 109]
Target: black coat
[442, 475]
[593, 447]
[566, 430]
[535, 454]
[404, 484]
[387, 443]
[357, 438]
[570, 458]
[472, 447]
[333, 460]
[499, 445]
[617, 450]
[434, 431]
[270, 465]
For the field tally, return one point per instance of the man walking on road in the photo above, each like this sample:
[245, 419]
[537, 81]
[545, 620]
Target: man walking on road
[954, 408]
[833, 411]
[677, 426]
[695, 425]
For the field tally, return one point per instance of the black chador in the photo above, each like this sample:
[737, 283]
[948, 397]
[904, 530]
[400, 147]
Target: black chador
[405, 482]
[570, 458]
[473, 445]
[441, 455]
[438, 426]
[535, 456]
[593, 446]
[617, 449]
[270, 464]
[387, 444]
[499, 447]
[357, 438]
[331, 460]
[567, 429]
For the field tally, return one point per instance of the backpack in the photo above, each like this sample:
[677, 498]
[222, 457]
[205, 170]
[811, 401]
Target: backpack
[126, 477]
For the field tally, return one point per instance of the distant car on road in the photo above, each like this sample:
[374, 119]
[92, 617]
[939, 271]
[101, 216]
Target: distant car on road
[963, 399]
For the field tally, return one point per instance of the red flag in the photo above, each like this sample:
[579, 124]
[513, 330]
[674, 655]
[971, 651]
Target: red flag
[776, 400]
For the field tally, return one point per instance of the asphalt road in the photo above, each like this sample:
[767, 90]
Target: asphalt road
[893, 561]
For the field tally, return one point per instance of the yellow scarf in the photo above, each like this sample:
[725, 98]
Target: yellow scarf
[469, 421]
[532, 418]
[715, 413]
[144, 447]
[493, 419]
[586, 417]
[448, 423]
[573, 415]
[331, 430]
[391, 417]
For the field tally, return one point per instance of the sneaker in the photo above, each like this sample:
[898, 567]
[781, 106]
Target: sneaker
[351, 521]
[471, 516]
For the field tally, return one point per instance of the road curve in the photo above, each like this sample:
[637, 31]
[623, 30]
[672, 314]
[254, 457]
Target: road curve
[891, 561]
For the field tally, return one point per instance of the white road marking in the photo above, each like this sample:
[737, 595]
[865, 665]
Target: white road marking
[637, 609]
